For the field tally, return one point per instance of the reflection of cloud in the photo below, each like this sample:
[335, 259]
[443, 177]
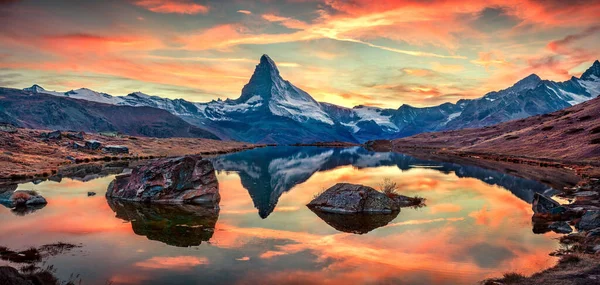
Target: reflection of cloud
[172, 263]
[444, 208]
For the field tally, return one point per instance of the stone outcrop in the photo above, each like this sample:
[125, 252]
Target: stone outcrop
[589, 221]
[348, 198]
[116, 149]
[187, 179]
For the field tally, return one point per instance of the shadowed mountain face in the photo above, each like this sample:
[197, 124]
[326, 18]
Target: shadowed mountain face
[267, 173]
[43, 111]
[273, 110]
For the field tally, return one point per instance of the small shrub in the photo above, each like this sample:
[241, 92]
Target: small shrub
[585, 118]
[512, 277]
[389, 187]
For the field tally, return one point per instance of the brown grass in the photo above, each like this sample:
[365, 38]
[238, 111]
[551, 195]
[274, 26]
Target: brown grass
[389, 187]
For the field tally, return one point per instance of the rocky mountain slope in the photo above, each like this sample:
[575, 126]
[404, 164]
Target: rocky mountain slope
[42, 111]
[569, 134]
[272, 110]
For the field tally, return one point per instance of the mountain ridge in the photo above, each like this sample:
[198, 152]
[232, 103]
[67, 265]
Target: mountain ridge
[270, 107]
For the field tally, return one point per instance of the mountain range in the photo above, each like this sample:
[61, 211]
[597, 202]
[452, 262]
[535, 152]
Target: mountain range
[273, 110]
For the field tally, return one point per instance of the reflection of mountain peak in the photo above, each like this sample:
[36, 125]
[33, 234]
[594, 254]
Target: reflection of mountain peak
[267, 173]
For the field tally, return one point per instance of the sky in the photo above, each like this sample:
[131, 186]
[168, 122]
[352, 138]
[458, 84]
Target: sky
[361, 52]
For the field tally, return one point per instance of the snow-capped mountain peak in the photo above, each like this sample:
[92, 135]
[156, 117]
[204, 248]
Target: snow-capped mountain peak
[593, 73]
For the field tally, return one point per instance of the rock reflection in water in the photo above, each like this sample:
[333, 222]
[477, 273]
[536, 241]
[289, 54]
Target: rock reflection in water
[181, 225]
[356, 223]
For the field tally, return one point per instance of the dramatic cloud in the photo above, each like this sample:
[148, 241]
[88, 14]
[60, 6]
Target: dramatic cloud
[173, 6]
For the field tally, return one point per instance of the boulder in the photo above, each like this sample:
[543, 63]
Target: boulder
[55, 135]
[345, 198]
[560, 227]
[76, 136]
[187, 179]
[27, 198]
[544, 205]
[116, 149]
[78, 146]
[94, 145]
[8, 128]
[589, 221]
[10, 275]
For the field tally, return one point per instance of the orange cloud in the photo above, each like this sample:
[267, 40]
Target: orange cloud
[173, 6]
[181, 263]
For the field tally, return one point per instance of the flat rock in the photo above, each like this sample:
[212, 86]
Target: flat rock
[116, 149]
[345, 198]
[187, 179]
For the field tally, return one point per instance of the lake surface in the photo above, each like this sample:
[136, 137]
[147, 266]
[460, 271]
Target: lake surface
[477, 224]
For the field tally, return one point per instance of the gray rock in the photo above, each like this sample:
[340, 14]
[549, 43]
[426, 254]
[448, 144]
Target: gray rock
[560, 228]
[586, 194]
[187, 179]
[589, 221]
[8, 128]
[544, 205]
[22, 198]
[93, 144]
[116, 149]
[55, 135]
[345, 198]
[78, 146]
[76, 136]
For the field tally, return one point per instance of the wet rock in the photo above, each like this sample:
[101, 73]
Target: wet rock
[116, 149]
[352, 198]
[94, 145]
[187, 179]
[560, 227]
[27, 198]
[544, 205]
[361, 223]
[589, 221]
[181, 225]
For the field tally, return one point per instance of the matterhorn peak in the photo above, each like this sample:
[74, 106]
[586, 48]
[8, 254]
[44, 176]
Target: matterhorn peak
[593, 72]
[265, 76]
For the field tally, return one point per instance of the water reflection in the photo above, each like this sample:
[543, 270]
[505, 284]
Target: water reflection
[356, 223]
[472, 228]
[177, 225]
[269, 172]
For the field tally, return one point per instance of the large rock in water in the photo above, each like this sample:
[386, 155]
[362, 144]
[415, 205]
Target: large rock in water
[351, 198]
[187, 179]
[544, 205]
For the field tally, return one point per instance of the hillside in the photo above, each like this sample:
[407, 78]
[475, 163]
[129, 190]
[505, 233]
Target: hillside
[569, 134]
[43, 111]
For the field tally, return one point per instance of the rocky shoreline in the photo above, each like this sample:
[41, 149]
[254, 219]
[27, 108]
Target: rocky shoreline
[28, 154]
[580, 258]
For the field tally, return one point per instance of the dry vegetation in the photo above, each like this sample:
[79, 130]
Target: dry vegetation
[25, 153]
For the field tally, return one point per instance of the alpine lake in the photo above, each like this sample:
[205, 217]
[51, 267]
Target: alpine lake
[476, 224]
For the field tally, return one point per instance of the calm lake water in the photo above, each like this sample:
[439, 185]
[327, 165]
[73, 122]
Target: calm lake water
[477, 224]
